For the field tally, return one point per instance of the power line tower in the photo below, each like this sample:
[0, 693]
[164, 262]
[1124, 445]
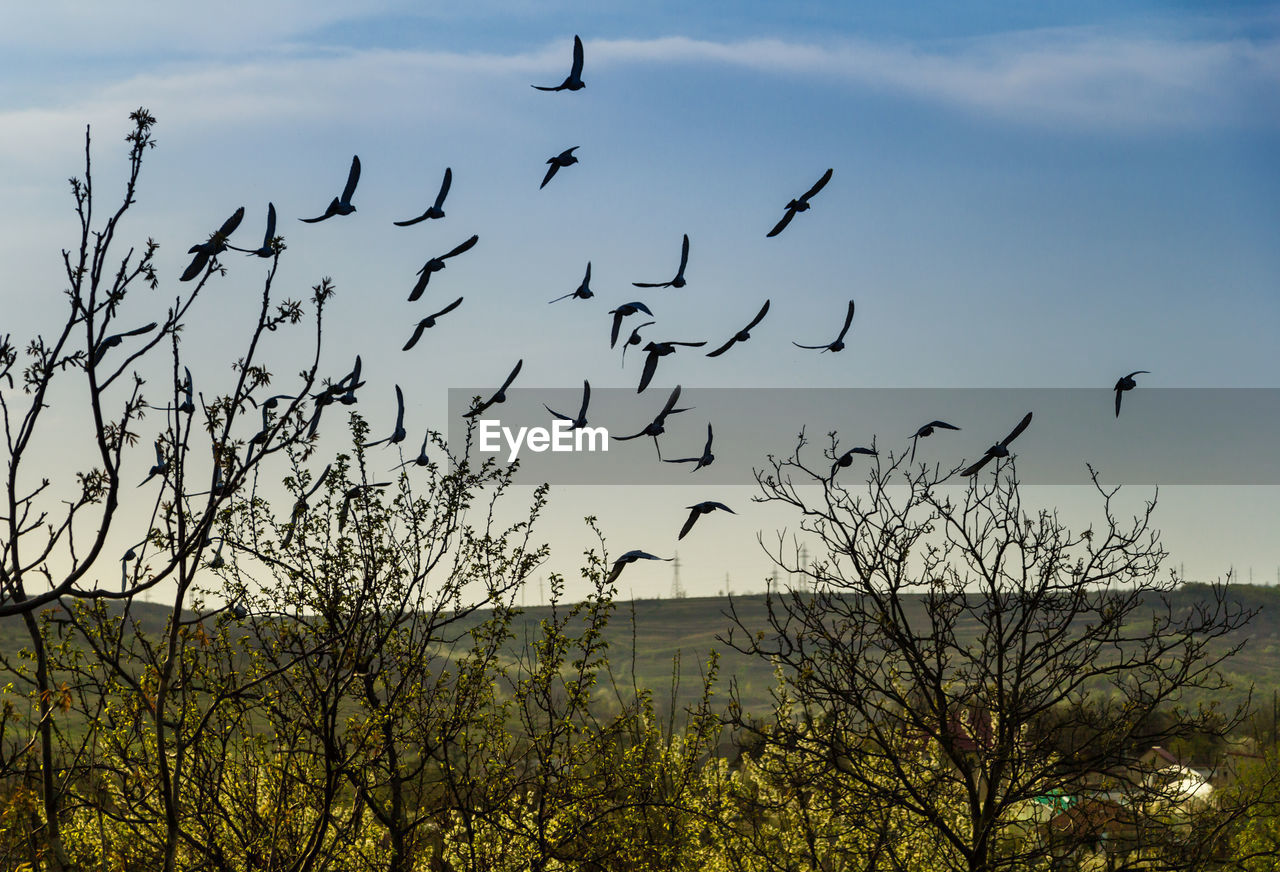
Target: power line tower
[677, 589]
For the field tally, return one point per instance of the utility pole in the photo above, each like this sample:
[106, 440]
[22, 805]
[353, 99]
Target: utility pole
[677, 591]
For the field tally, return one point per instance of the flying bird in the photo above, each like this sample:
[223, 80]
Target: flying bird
[160, 468]
[342, 205]
[1000, 449]
[300, 505]
[1127, 384]
[800, 205]
[188, 404]
[217, 244]
[658, 425]
[838, 345]
[115, 339]
[634, 339]
[629, 558]
[706, 459]
[656, 350]
[572, 82]
[428, 322]
[581, 420]
[436, 210]
[845, 460]
[583, 291]
[499, 396]
[927, 430]
[678, 281]
[698, 511]
[397, 435]
[422, 459]
[563, 159]
[621, 312]
[267, 249]
[742, 335]
[438, 263]
[352, 494]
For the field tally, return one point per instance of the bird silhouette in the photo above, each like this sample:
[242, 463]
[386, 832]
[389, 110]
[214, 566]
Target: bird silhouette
[846, 460]
[428, 322]
[705, 459]
[397, 435]
[621, 312]
[422, 459]
[438, 263]
[927, 430]
[697, 511]
[838, 345]
[581, 420]
[658, 425]
[188, 404]
[678, 281]
[350, 495]
[160, 468]
[216, 244]
[656, 350]
[341, 205]
[300, 506]
[800, 205]
[115, 339]
[563, 159]
[572, 82]
[436, 210]
[500, 395]
[1000, 449]
[1126, 383]
[583, 291]
[267, 249]
[742, 335]
[634, 339]
[627, 559]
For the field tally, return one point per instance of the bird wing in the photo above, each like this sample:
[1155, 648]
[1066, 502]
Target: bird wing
[690, 344]
[764, 310]
[512, 377]
[684, 255]
[688, 524]
[671, 402]
[417, 334]
[720, 506]
[399, 408]
[444, 187]
[328, 213]
[1119, 394]
[723, 348]
[447, 309]
[352, 178]
[551, 171]
[982, 461]
[556, 414]
[943, 424]
[1022, 425]
[652, 285]
[412, 221]
[707, 448]
[586, 398]
[782, 224]
[798, 345]
[650, 366]
[424, 276]
[271, 225]
[848, 319]
[576, 71]
[586, 279]
[465, 246]
[196, 266]
[228, 227]
[617, 325]
[818, 185]
[138, 331]
[565, 297]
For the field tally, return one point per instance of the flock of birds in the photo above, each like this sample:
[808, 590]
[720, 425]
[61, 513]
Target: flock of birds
[343, 391]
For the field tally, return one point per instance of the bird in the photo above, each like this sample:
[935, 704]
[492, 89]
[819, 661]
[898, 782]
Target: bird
[581, 420]
[341, 205]
[217, 562]
[697, 511]
[216, 244]
[838, 345]
[188, 404]
[344, 391]
[1127, 383]
[846, 460]
[656, 350]
[657, 426]
[927, 430]
[634, 339]
[422, 459]
[563, 159]
[267, 249]
[742, 335]
[438, 263]
[115, 339]
[572, 82]
[706, 459]
[499, 396]
[678, 281]
[800, 205]
[160, 468]
[397, 436]
[1000, 449]
[351, 494]
[583, 291]
[621, 312]
[271, 402]
[629, 558]
[428, 322]
[436, 210]
[300, 505]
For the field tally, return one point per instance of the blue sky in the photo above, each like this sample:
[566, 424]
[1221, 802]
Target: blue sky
[1025, 195]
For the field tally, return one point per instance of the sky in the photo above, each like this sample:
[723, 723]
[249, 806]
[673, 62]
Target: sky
[1025, 196]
